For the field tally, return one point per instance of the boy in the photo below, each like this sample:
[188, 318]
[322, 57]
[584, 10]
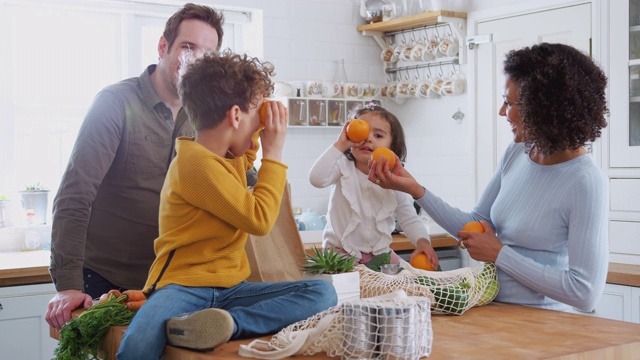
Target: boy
[206, 214]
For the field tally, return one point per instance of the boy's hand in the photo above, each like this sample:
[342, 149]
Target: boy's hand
[275, 130]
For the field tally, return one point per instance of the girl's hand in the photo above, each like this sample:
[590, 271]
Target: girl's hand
[343, 143]
[400, 179]
[273, 135]
[481, 246]
[423, 246]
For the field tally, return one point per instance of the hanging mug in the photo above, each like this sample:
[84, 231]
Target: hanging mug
[448, 47]
[436, 86]
[389, 55]
[452, 86]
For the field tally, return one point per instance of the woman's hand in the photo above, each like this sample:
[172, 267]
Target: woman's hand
[399, 179]
[481, 246]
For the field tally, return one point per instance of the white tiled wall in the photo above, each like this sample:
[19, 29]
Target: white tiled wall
[303, 38]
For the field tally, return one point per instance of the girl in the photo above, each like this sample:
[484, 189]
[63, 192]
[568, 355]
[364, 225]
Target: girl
[360, 216]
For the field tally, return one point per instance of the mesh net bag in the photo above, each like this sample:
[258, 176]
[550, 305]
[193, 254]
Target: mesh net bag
[392, 326]
[451, 292]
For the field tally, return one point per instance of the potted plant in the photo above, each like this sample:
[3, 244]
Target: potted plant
[35, 199]
[339, 269]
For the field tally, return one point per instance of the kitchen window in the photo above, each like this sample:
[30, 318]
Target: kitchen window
[57, 55]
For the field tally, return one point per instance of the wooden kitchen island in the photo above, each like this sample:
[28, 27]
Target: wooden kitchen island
[494, 331]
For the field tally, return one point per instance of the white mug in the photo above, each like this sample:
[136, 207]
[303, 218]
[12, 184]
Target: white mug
[389, 55]
[423, 89]
[448, 47]
[432, 46]
[353, 90]
[418, 51]
[370, 91]
[384, 90]
[452, 86]
[331, 89]
[436, 86]
[313, 89]
[281, 89]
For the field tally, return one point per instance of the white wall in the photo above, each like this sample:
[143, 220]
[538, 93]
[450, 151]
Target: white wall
[303, 38]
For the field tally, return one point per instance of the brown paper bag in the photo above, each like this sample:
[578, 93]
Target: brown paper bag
[278, 256]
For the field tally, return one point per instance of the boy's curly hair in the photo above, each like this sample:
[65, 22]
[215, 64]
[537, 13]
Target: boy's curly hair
[398, 145]
[562, 96]
[213, 83]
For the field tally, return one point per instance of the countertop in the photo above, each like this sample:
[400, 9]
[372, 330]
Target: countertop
[24, 267]
[32, 267]
[494, 331]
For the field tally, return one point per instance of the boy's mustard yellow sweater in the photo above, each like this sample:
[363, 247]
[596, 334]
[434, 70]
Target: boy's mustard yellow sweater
[206, 214]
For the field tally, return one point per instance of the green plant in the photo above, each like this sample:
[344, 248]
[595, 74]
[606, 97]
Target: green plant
[82, 337]
[328, 261]
[35, 187]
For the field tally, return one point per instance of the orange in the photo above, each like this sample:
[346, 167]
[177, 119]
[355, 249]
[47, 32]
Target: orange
[358, 130]
[420, 261]
[473, 226]
[384, 153]
[263, 111]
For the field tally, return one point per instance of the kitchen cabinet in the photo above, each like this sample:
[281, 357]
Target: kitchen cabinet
[625, 84]
[624, 131]
[635, 305]
[618, 302]
[24, 333]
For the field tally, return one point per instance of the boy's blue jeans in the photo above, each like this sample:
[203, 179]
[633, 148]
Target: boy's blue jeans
[257, 309]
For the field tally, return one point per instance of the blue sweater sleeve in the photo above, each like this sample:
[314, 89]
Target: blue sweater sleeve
[553, 223]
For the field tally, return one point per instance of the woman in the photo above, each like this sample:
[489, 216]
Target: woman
[545, 209]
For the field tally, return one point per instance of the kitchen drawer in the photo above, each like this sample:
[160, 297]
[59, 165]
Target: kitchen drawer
[624, 237]
[625, 194]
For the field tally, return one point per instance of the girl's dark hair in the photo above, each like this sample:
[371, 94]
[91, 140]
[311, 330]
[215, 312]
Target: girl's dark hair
[398, 145]
[561, 96]
[193, 11]
[214, 83]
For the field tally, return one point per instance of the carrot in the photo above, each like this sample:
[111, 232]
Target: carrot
[135, 305]
[116, 293]
[134, 295]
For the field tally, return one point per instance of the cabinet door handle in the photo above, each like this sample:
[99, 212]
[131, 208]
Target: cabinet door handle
[0, 306]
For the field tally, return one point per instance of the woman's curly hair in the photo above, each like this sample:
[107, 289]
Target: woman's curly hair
[561, 96]
[213, 83]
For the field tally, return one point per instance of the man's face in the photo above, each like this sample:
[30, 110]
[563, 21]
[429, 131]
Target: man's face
[193, 35]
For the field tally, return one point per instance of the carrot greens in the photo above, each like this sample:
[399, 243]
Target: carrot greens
[82, 337]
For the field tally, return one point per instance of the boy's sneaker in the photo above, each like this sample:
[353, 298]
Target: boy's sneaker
[201, 330]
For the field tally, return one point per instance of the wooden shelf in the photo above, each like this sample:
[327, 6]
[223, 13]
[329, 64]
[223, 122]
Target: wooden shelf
[456, 20]
[409, 22]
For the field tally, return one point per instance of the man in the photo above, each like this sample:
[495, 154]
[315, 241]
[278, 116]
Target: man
[105, 215]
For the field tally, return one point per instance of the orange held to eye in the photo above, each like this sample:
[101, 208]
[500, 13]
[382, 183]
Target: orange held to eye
[384, 153]
[420, 261]
[358, 130]
[473, 226]
[263, 111]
